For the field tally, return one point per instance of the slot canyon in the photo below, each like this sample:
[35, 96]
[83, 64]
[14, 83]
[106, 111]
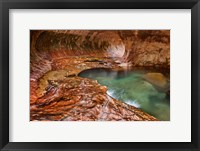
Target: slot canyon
[61, 62]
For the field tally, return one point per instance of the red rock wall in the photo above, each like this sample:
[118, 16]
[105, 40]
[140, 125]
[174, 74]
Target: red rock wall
[139, 48]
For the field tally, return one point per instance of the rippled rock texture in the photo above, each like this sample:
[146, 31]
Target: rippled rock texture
[58, 56]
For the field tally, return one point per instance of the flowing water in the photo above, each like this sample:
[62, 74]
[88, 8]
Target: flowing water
[131, 88]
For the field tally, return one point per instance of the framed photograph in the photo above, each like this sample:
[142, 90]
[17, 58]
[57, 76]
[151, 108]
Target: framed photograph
[99, 75]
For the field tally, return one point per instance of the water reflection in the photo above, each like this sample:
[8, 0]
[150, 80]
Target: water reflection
[131, 88]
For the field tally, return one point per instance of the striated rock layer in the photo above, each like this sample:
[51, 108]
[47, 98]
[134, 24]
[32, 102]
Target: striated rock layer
[82, 99]
[57, 93]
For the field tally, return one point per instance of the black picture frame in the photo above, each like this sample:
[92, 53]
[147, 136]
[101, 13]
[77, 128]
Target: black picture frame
[5, 5]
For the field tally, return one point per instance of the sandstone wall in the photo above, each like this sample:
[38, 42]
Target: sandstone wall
[138, 48]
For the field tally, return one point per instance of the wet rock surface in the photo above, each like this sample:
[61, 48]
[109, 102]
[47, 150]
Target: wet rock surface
[81, 99]
[157, 79]
[57, 57]
[62, 95]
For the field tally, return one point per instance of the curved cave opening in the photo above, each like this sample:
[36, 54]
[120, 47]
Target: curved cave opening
[95, 75]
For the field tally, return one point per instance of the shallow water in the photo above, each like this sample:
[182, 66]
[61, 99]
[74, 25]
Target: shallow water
[131, 88]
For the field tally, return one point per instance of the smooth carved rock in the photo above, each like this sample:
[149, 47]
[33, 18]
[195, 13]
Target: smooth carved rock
[141, 48]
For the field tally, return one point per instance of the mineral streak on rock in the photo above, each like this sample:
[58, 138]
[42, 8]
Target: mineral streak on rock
[58, 56]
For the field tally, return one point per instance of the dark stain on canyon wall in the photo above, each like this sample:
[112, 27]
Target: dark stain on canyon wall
[58, 56]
